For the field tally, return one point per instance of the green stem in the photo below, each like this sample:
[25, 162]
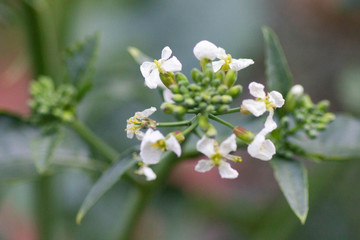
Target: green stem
[174, 124]
[223, 122]
[232, 110]
[93, 140]
[193, 125]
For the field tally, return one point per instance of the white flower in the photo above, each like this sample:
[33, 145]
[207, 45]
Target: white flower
[261, 148]
[154, 144]
[146, 171]
[263, 103]
[151, 70]
[217, 156]
[135, 123]
[205, 49]
[297, 90]
[227, 62]
[167, 95]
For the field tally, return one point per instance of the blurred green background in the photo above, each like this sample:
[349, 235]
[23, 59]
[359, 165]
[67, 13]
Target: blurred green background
[321, 41]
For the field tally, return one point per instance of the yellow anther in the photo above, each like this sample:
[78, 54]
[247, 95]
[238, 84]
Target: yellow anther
[160, 144]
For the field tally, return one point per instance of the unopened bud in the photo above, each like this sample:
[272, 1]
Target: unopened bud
[223, 108]
[202, 105]
[204, 122]
[167, 79]
[220, 75]
[181, 77]
[174, 88]
[323, 105]
[216, 99]
[179, 110]
[196, 75]
[234, 91]
[244, 134]
[179, 136]
[216, 82]
[205, 81]
[226, 99]
[178, 98]
[230, 78]
[306, 102]
[167, 107]
[194, 87]
[184, 90]
[210, 109]
[211, 132]
[222, 89]
[189, 102]
[297, 90]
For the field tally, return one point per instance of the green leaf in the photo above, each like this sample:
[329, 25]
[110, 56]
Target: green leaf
[291, 176]
[106, 181]
[139, 56]
[278, 73]
[43, 149]
[79, 62]
[340, 141]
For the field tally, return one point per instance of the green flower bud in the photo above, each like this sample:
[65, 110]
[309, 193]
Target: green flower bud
[208, 71]
[205, 81]
[178, 98]
[202, 105]
[234, 91]
[216, 99]
[223, 108]
[210, 109]
[179, 136]
[244, 134]
[312, 133]
[220, 75]
[179, 110]
[328, 117]
[222, 89]
[216, 82]
[211, 132]
[167, 79]
[189, 102]
[204, 122]
[194, 87]
[226, 99]
[196, 75]
[306, 102]
[230, 78]
[174, 89]
[323, 105]
[183, 83]
[321, 126]
[167, 107]
[184, 90]
[198, 99]
[206, 97]
[180, 77]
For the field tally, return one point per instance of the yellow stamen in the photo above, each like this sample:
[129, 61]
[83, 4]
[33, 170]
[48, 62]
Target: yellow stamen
[160, 144]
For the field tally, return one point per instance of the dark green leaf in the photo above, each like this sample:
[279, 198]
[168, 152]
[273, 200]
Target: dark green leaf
[139, 56]
[291, 176]
[106, 181]
[79, 63]
[278, 73]
[340, 141]
[43, 149]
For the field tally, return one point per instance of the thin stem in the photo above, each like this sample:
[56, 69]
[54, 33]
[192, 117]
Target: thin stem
[221, 121]
[193, 125]
[97, 143]
[174, 124]
[232, 110]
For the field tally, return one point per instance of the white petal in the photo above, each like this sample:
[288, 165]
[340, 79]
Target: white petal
[261, 148]
[148, 153]
[228, 145]
[226, 171]
[166, 53]
[276, 98]
[221, 53]
[146, 68]
[167, 94]
[255, 107]
[257, 90]
[217, 65]
[204, 165]
[297, 90]
[270, 124]
[172, 65]
[205, 49]
[152, 81]
[129, 133]
[172, 144]
[238, 64]
[206, 146]
[149, 173]
[146, 113]
[139, 135]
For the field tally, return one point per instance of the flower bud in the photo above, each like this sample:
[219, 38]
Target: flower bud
[216, 99]
[210, 109]
[222, 89]
[230, 78]
[220, 75]
[174, 88]
[184, 90]
[167, 107]
[167, 79]
[179, 110]
[306, 102]
[194, 87]
[205, 81]
[216, 82]
[189, 102]
[204, 122]
[178, 98]
[211, 131]
[244, 134]
[226, 99]
[323, 105]
[179, 136]
[202, 105]
[234, 91]
[197, 98]
[208, 71]
[223, 108]
[196, 75]
[180, 77]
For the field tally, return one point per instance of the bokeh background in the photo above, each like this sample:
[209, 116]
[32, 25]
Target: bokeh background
[321, 40]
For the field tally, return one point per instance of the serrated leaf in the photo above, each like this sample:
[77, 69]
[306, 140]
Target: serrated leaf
[139, 56]
[106, 181]
[79, 62]
[278, 73]
[291, 176]
[43, 149]
[340, 141]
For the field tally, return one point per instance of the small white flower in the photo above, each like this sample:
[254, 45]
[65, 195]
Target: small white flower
[151, 70]
[227, 62]
[154, 144]
[205, 49]
[146, 171]
[135, 123]
[263, 103]
[297, 90]
[217, 156]
[261, 148]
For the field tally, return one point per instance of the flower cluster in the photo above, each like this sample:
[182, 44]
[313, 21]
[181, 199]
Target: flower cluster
[211, 93]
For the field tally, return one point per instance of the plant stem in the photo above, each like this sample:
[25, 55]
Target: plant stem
[93, 140]
[221, 121]
[232, 110]
[174, 124]
[193, 125]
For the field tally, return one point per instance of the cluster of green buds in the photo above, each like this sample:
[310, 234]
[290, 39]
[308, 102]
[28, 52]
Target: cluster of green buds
[209, 93]
[307, 116]
[51, 104]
